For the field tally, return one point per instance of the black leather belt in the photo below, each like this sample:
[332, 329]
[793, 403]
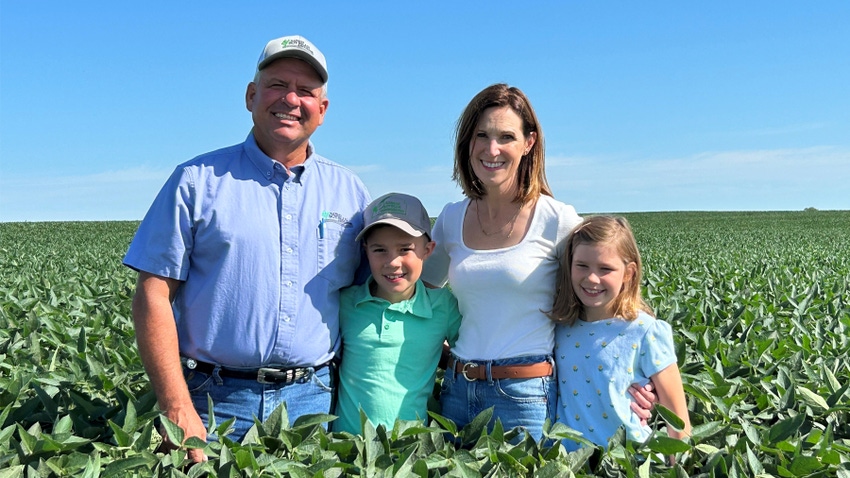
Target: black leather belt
[266, 375]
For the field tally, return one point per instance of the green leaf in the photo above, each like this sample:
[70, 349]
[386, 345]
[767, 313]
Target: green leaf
[707, 430]
[130, 423]
[81, 341]
[277, 422]
[670, 417]
[752, 433]
[644, 470]
[92, 469]
[121, 437]
[833, 399]
[226, 428]
[50, 405]
[754, 463]
[143, 442]
[706, 448]
[445, 423]
[120, 467]
[172, 430]
[16, 471]
[813, 400]
[314, 419]
[194, 442]
[667, 445]
[28, 442]
[5, 435]
[831, 380]
[63, 425]
[805, 465]
[785, 429]
[473, 430]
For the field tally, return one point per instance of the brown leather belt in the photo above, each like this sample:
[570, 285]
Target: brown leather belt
[473, 371]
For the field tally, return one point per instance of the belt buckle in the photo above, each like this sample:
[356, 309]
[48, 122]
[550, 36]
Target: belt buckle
[466, 367]
[297, 374]
[261, 374]
[288, 375]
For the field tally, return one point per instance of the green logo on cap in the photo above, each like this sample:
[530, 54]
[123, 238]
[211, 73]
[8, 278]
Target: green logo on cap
[389, 207]
[296, 43]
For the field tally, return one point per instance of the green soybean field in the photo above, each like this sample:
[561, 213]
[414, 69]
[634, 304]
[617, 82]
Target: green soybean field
[758, 301]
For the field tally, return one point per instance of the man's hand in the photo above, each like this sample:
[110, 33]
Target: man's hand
[644, 399]
[156, 336]
[192, 425]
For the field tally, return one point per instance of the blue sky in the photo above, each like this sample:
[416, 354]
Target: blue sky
[645, 106]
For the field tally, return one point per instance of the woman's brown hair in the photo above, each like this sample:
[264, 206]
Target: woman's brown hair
[531, 174]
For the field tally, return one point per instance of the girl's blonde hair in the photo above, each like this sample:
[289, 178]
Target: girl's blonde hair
[600, 230]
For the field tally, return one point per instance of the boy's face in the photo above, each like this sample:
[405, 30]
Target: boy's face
[395, 259]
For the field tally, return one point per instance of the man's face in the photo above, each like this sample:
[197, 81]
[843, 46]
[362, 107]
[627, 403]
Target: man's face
[287, 105]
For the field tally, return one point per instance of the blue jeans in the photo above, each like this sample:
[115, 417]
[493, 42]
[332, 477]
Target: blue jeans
[246, 399]
[518, 402]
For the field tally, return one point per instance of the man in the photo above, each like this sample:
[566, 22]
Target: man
[241, 258]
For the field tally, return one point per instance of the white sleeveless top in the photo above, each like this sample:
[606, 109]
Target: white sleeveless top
[502, 293]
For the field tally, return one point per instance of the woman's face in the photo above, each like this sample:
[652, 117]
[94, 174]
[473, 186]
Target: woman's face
[497, 147]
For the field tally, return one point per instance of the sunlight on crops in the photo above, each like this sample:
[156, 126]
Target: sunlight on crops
[758, 301]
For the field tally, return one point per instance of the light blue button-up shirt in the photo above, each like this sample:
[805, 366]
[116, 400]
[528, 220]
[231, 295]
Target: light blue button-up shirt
[262, 254]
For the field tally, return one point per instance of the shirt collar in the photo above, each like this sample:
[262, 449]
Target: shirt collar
[268, 166]
[418, 305]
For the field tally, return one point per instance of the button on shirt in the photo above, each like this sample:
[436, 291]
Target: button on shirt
[262, 251]
[391, 352]
[597, 362]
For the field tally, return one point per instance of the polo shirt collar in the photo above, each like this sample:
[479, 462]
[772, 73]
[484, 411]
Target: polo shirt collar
[418, 305]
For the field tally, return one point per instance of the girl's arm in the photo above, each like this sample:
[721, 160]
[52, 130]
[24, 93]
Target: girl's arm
[671, 394]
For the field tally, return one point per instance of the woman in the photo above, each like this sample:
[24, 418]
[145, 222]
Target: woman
[499, 249]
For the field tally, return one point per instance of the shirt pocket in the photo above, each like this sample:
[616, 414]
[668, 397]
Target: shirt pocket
[339, 253]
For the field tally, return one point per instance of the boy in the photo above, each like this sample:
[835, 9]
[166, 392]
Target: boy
[392, 326]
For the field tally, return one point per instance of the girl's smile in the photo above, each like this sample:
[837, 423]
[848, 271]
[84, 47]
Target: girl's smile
[598, 275]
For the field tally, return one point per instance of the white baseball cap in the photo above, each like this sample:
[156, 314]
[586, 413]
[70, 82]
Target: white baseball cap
[294, 46]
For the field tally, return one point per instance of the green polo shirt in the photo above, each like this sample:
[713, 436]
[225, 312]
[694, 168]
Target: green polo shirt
[390, 353]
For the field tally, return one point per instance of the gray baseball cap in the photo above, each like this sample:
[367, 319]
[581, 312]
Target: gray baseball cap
[400, 210]
[294, 46]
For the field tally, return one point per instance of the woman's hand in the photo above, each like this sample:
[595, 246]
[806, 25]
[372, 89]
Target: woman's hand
[643, 399]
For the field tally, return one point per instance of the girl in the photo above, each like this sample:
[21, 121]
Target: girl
[607, 337]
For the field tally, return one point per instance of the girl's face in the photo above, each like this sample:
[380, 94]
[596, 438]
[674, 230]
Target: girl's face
[598, 276]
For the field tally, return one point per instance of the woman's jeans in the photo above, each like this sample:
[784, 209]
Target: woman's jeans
[518, 402]
[246, 399]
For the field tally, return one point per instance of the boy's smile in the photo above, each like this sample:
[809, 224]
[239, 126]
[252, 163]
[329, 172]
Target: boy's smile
[395, 259]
